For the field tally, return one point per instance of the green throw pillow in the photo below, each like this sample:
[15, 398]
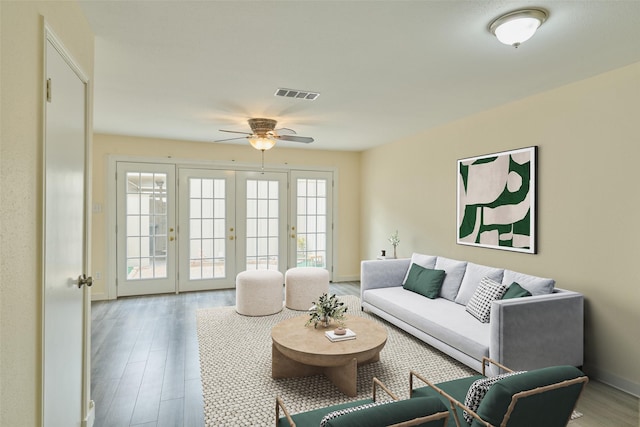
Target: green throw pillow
[516, 291]
[424, 281]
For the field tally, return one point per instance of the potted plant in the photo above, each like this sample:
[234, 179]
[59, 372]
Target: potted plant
[327, 308]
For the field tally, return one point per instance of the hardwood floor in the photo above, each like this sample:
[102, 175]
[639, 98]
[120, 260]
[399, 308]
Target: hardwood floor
[145, 365]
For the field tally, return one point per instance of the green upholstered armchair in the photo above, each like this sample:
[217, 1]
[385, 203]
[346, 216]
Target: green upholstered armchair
[541, 397]
[426, 411]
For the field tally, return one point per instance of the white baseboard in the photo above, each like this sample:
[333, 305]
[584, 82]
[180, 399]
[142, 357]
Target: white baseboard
[613, 380]
[91, 416]
[101, 296]
[339, 279]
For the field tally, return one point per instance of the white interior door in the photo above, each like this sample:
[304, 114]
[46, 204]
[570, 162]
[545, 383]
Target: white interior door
[262, 221]
[64, 301]
[311, 228]
[146, 228]
[207, 229]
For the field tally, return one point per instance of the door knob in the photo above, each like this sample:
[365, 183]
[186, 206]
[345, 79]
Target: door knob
[230, 237]
[84, 280]
[171, 238]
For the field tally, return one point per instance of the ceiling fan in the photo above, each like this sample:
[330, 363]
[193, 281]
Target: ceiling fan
[264, 134]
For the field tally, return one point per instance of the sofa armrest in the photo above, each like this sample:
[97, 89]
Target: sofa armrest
[382, 273]
[538, 331]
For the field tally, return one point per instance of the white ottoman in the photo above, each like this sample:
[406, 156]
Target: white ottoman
[303, 285]
[259, 292]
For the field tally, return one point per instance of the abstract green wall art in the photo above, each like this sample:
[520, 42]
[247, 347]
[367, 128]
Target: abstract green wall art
[496, 200]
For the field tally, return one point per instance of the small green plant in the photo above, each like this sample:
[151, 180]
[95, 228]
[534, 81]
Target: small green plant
[327, 307]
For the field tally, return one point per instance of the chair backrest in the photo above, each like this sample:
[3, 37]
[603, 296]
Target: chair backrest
[542, 397]
[422, 411]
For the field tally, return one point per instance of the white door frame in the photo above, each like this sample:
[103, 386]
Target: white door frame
[110, 213]
[87, 405]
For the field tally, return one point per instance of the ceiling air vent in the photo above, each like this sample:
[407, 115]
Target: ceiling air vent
[298, 94]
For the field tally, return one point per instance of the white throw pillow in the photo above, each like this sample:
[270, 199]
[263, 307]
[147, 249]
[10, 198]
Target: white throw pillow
[453, 279]
[479, 305]
[477, 391]
[426, 261]
[535, 285]
[472, 277]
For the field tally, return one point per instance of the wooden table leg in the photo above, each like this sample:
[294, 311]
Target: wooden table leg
[284, 367]
[344, 377]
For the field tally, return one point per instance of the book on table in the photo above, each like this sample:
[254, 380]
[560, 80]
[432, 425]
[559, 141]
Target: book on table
[348, 335]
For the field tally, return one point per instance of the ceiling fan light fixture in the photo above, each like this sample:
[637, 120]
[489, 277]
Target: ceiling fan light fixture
[262, 142]
[518, 26]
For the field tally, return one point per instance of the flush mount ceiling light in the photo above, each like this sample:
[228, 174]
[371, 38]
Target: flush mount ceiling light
[518, 26]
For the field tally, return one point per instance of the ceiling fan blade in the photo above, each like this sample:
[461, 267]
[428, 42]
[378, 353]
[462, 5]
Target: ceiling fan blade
[230, 139]
[235, 131]
[304, 139]
[285, 131]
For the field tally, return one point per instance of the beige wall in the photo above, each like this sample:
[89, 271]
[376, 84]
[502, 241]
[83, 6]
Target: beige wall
[347, 164]
[21, 194]
[588, 202]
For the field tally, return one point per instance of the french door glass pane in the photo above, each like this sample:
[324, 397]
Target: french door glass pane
[146, 223]
[262, 225]
[207, 226]
[311, 222]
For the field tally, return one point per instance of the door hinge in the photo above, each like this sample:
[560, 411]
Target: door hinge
[48, 90]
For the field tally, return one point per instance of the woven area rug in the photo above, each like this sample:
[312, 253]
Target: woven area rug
[235, 366]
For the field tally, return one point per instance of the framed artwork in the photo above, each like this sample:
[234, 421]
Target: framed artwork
[497, 200]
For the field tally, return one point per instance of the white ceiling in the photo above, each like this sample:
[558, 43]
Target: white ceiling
[385, 69]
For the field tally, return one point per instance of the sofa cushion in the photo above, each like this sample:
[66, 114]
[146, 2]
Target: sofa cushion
[424, 281]
[444, 320]
[314, 416]
[535, 285]
[426, 261]
[477, 391]
[557, 404]
[472, 277]
[516, 291]
[390, 413]
[452, 281]
[479, 305]
[454, 388]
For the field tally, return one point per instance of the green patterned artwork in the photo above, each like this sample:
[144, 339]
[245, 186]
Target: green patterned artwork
[496, 200]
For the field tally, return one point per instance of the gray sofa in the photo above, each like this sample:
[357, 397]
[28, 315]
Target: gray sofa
[544, 329]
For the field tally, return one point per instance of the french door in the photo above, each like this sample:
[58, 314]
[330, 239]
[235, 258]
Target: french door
[146, 228]
[207, 229]
[198, 234]
[262, 228]
[311, 219]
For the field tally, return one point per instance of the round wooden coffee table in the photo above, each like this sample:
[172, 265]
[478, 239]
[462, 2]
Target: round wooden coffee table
[299, 350]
